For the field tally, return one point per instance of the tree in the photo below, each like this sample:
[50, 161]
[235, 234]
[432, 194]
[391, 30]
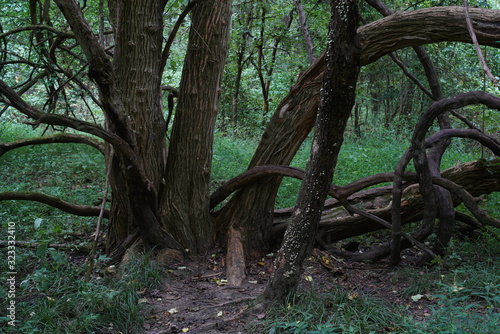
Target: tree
[160, 191]
[129, 82]
[250, 210]
[337, 99]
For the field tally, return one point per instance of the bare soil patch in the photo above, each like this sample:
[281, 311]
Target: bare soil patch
[195, 299]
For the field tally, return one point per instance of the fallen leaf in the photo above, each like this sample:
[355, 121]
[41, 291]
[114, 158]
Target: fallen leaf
[185, 330]
[416, 298]
[261, 316]
[220, 313]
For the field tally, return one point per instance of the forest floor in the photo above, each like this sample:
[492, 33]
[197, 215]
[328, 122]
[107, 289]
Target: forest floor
[195, 299]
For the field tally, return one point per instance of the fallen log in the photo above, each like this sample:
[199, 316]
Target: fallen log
[477, 178]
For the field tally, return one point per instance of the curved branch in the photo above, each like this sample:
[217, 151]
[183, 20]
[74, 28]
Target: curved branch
[424, 26]
[58, 138]
[251, 176]
[53, 119]
[487, 141]
[37, 27]
[74, 209]
[258, 172]
[454, 102]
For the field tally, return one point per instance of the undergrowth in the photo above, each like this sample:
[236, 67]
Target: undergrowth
[53, 296]
[462, 298]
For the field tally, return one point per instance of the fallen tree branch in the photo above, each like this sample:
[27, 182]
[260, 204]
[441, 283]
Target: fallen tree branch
[476, 177]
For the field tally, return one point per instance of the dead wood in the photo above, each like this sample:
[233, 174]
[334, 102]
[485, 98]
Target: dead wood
[477, 178]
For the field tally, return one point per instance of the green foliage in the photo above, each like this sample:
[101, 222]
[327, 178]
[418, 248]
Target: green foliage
[71, 172]
[335, 312]
[53, 298]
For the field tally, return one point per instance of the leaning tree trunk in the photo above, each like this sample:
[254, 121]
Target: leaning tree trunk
[250, 209]
[185, 202]
[338, 96]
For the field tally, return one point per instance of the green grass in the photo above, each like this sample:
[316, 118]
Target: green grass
[53, 298]
[335, 312]
[463, 298]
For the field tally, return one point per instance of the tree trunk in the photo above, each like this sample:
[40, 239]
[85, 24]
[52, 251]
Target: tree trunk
[185, 202]
[338, 97]
[305, 31]
[251, 209]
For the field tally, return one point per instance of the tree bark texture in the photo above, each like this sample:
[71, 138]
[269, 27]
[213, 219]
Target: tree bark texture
[251, 208]
[186, 198]
[477, 178]
[337, 100]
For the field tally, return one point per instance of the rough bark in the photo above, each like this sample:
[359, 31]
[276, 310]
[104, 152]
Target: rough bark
[251, 208]
[337, 100]
[185, 202]
[476, 178]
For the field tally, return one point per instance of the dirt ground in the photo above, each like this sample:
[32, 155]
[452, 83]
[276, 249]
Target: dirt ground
[195, 299]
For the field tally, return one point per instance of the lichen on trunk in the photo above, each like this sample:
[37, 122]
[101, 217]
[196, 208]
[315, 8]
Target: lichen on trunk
[337, 100]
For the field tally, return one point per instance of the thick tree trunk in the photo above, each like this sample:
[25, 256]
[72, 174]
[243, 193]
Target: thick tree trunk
[185, 202]
[250, 209]
[137, 61]
[338, 96]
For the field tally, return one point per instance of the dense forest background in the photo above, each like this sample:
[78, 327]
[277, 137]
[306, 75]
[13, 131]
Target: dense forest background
[173, 156]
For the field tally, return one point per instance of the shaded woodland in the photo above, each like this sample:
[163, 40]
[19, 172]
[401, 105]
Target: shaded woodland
[157, 138]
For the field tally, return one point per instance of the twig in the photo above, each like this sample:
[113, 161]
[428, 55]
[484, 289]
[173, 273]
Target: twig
[99, 221]
[486, 69]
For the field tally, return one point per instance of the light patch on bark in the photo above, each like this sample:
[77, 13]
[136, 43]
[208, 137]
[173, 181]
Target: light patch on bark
[283, 110]
[315, 146]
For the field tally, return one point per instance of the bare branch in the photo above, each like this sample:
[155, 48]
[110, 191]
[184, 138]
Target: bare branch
[409, 75]
[173, 33]
[58, 138]
[74, 209]
[472, 33]
[37, 27]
